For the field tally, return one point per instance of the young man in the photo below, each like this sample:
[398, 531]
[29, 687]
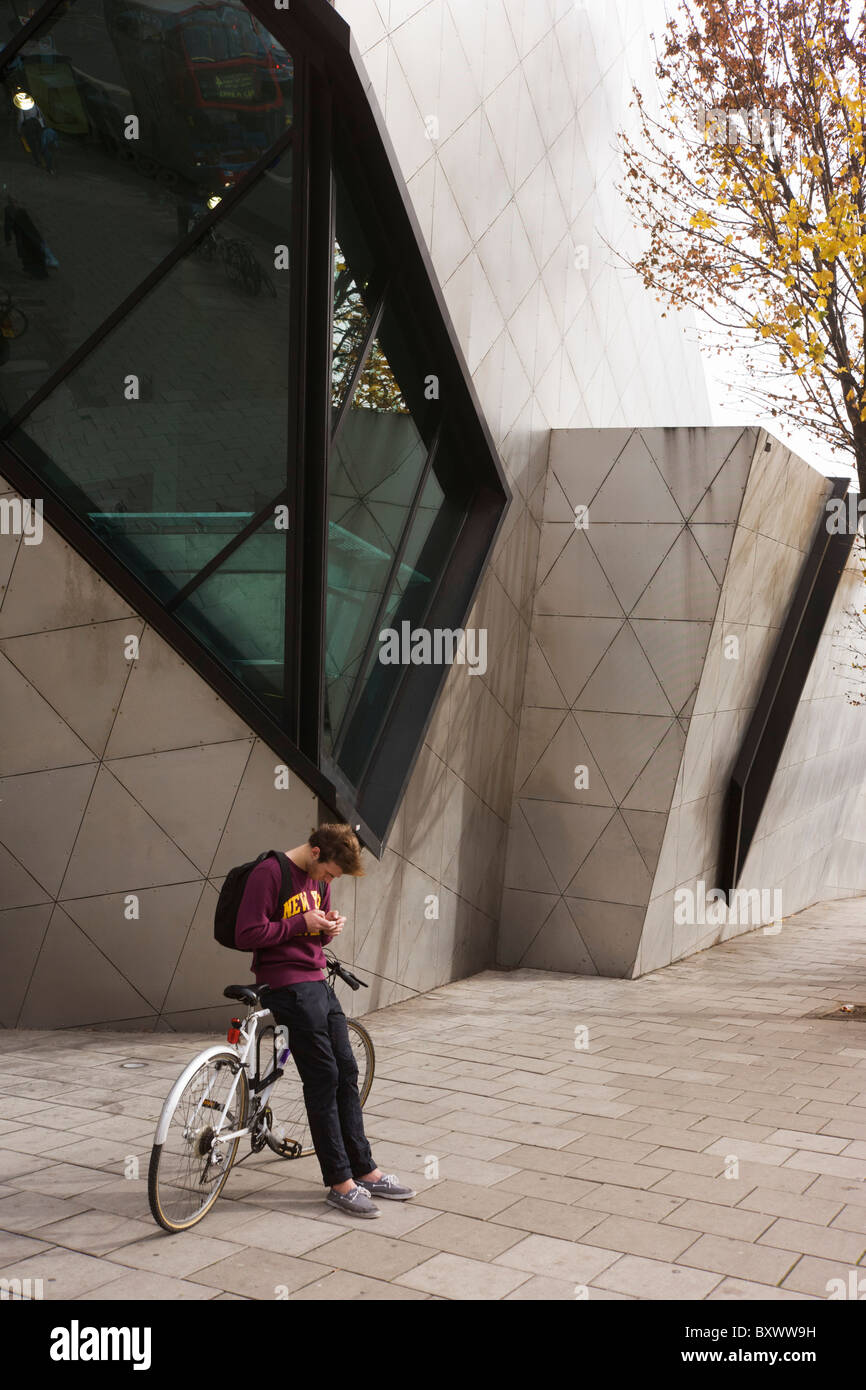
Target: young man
[286, 939]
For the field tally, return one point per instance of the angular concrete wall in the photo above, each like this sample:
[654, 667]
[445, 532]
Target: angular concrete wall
[810, 843]
[694, 536]
[119, 778]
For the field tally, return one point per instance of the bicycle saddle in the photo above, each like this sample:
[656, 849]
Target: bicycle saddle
[242, 993]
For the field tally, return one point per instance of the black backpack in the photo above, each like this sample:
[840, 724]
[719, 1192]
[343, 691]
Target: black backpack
[226, 914]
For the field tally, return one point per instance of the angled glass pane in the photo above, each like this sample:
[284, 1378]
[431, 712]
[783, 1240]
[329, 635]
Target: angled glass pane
[239, 614]
[410, 576]
[167, 549]
[434, 529]
[351, 611]
[173, 432]
[122, 119]
[376, 467]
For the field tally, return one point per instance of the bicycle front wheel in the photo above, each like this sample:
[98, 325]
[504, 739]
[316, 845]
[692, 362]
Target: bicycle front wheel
[188, 1171]
[287, 1129]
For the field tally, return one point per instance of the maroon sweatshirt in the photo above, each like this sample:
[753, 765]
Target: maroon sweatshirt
[284, 952]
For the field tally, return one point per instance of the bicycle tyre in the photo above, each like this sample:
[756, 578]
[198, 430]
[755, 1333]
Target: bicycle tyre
[156, 1194]
[365, 1083]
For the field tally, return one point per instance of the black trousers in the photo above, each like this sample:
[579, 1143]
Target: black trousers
[319, 1043]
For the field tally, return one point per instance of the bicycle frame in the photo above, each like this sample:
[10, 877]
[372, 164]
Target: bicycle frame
[244, 1051]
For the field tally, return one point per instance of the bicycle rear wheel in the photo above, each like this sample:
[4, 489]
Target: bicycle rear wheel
[287, 1129]
[189, 1170]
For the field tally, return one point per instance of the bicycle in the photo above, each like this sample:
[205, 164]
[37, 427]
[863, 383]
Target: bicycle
[13, 321]
[219, 1099]
[240, 262]
[243, 265]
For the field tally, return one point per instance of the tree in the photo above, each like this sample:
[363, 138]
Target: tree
[750, 183]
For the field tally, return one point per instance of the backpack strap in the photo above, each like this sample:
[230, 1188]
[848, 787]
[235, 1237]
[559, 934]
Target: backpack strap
[286, 874]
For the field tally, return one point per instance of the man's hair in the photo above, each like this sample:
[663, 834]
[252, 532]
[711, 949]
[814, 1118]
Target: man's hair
[338, 844]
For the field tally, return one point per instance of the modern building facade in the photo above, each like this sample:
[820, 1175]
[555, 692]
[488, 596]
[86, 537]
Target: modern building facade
[326, 337]
[654, 636]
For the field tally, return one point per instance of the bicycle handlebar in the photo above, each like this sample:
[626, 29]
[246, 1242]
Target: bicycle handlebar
[335, 968]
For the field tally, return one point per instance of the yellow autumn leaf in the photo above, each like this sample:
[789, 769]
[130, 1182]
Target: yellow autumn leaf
[701, 219]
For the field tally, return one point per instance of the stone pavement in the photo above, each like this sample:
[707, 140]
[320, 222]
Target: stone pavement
[707, 1142]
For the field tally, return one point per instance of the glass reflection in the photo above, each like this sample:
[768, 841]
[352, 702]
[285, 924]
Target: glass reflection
[408, 578]
[376, 465]
[120, 123]
[172, 433]
[239, 613]
[435, 526]
[14, 14]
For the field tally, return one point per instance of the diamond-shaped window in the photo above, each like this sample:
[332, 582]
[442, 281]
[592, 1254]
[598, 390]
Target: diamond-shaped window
[229, 369]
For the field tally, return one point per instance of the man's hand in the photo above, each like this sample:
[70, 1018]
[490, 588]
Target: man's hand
[335, 923]
[324, 923]
[317, 922]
